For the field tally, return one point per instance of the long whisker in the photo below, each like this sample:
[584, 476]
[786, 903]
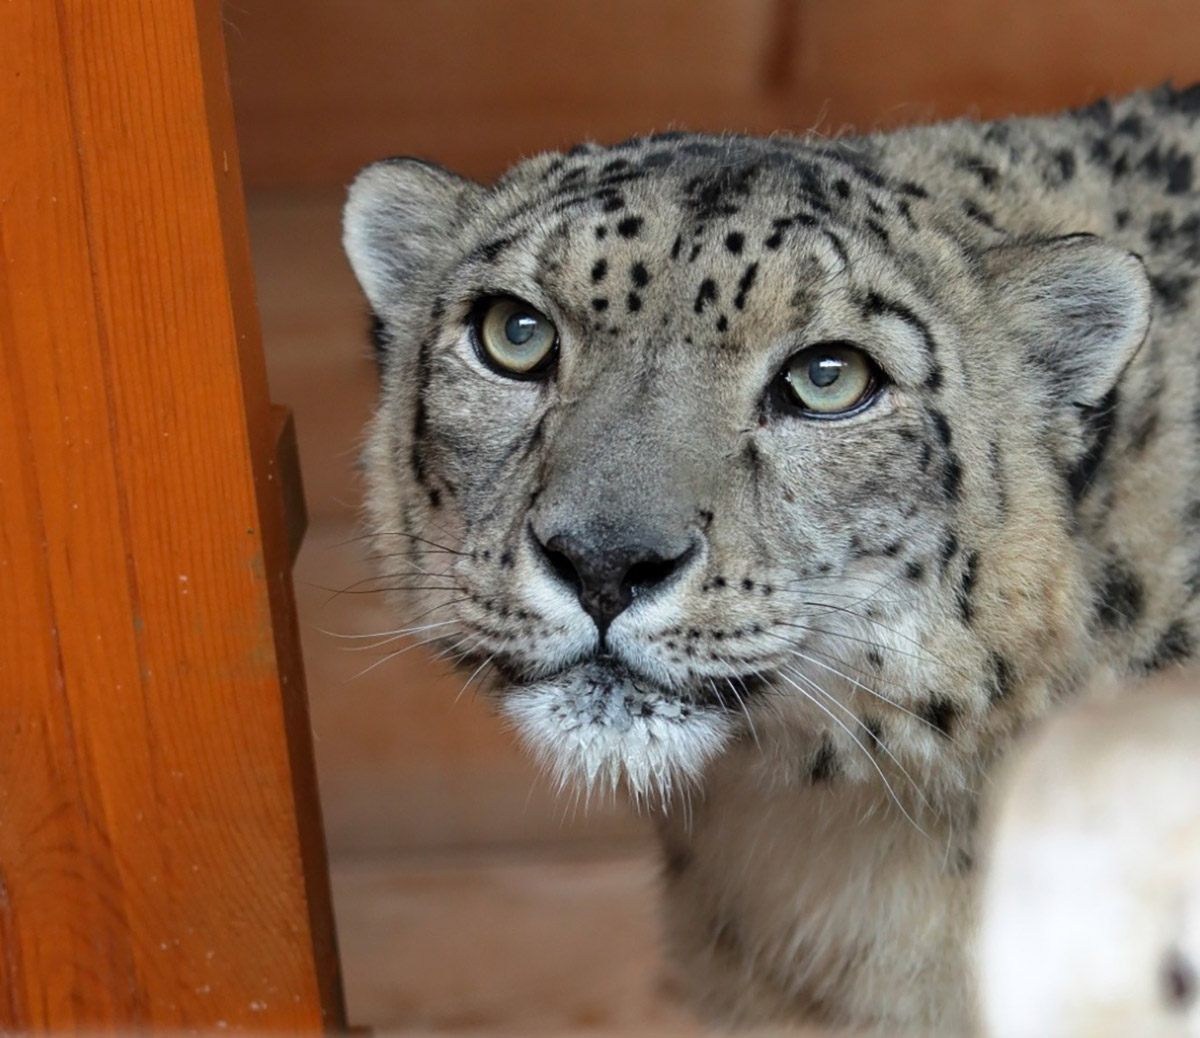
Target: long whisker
[845, 709]
[869, 620]
[399, 636]
[875, 764]
[807, 628]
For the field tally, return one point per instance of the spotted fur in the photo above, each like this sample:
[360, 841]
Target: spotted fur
[871, 608]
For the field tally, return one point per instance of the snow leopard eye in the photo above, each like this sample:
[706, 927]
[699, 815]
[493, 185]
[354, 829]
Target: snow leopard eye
[830, 380]
[514, 338]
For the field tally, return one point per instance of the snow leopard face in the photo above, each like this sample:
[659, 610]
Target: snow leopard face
[700, 439]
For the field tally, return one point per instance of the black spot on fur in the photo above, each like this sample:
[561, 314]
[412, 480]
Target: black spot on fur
[949, 549]
[1099, 424]
[914, 570]
[988, 174]
[599, 270]
[1171, 290]
[633, 302]
[1185, 101]
[873, 727]
[1179, 173]
[630, 227]
[678, 244]
[1002, 678]
[599, 304]
[842, 187]
[876, 228]
[1120, 596]
[952, 477]
[940, 713]
[639, 275]
[980, 215]
[1064, 158]
[838, 245]
[966, 587]
[734, 242]
[744, 285]
[925, 456]
[707, 293]
[381, 341]
[1099, 112]
[1179, 983]
[823, 767]
[722, 323]
[492, 249]
[753, 459]
[1131, 126]
[952, 472]
[1174, 646]
[719, 194]
[435, 498]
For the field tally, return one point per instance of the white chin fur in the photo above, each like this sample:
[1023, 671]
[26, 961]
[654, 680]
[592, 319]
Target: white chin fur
[593, 729]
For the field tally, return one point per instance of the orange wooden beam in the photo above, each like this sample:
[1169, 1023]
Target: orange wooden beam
[161, 857]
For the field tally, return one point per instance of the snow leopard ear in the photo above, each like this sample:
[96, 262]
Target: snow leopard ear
[399, 224]
[1081, 305]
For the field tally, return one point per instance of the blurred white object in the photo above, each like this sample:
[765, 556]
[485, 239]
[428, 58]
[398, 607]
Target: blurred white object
[1091, 915]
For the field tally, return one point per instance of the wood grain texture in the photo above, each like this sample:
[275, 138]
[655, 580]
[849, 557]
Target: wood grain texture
[161, 860]
[322, 88]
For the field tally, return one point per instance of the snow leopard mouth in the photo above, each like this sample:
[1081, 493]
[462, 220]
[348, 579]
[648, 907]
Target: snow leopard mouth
[597, 723]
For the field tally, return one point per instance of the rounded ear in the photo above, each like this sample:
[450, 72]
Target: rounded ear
[1083, 305]
[400, 220]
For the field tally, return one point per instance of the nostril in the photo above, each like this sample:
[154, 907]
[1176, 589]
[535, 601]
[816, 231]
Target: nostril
[563, 566]
[649, 573]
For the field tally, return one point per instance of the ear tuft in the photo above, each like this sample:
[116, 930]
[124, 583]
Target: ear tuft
[1083, 303]
[399, 223]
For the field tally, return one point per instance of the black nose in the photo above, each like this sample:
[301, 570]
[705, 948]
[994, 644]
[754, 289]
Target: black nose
[607, 579]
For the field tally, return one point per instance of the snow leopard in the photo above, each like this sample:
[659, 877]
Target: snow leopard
[782, 483]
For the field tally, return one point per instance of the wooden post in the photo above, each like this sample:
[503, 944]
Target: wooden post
[162, 863]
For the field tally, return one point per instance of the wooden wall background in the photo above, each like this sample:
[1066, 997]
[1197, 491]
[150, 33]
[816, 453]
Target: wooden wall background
[436, 824]
[323, 86]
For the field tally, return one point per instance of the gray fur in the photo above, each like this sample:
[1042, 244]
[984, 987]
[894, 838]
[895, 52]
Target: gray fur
[876, 606]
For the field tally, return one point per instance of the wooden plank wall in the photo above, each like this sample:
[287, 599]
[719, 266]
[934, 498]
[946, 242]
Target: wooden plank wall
[161, 853]
[323, 87]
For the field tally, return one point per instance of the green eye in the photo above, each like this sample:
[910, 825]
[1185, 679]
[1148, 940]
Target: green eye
[830, 379]
[515, 338]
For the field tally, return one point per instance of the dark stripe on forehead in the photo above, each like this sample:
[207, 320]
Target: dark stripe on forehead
[876, 305]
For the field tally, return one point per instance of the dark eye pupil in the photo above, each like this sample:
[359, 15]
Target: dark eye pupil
[519, 329]
[824, 371]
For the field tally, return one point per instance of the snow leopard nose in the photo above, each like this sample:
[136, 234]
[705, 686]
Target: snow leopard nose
[608, 578]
